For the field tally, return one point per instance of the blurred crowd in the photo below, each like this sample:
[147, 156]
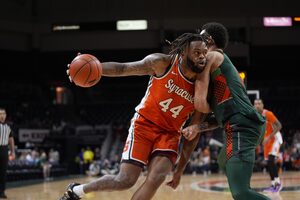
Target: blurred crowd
[36, 158]
[203, 160]
[90, 162]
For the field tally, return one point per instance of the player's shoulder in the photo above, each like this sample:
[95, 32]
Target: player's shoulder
[268, 113]
[159, 62]
[211, 55]
[214, 59]
[159, 57]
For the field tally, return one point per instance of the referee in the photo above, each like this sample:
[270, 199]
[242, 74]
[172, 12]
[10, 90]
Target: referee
[6, 138]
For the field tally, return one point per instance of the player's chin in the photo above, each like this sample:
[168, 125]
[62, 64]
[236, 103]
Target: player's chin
[200, 68]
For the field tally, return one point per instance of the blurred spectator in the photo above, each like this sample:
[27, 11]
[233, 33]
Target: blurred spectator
[287, 163]
[29, 159]
[201, 163]
[97, 154]
[45, 165]
[23, 156]
[295, 158]
[88, 157]
[106, 168]
[54, 157]
[94, 169]
[79, 160]
[296, 139]
[115, 164]
[205, 160]
[35, 155]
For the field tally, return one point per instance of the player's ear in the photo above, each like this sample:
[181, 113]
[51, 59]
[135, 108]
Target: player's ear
[210, 40]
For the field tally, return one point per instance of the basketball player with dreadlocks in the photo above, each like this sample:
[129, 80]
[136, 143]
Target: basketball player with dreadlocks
[243, 126]
[156, 126]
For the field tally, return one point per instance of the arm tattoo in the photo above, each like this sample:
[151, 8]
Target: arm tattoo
[205, 126]
[144, 67]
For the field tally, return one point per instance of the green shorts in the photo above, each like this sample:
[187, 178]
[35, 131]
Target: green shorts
[241, 137]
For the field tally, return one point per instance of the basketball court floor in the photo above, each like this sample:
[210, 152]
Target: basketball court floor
[211, 187]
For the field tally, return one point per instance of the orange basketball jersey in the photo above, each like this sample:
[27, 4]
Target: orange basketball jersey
[270, 119]
[169, 100]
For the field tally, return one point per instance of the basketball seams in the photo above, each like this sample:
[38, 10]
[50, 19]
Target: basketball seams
[86, 62]
[90, 72]
[83, 62]
[97, 65]
[74, 77]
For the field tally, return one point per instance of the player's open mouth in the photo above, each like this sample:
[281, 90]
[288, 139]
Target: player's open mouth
[202, 63]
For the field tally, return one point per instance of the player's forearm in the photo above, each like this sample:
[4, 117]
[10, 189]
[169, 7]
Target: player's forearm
[276, 127]
[187, 150]
[12, 145]
[202, 105]
[198, 117]
[205, 126]
[113, 69]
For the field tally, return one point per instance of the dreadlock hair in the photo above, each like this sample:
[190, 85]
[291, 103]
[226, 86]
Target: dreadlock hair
[180, 43]
[218, 32]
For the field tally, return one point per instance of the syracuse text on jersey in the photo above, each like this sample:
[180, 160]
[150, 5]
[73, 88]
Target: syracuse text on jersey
[179, 91]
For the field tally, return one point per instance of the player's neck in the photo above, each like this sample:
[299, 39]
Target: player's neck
[215, 48]
[187, 72]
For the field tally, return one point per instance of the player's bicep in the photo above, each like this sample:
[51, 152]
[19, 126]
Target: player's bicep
[201, 86]
[143, 67]
[146, 66]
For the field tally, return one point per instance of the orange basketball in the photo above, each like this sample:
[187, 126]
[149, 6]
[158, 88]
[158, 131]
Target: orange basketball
[85, 70]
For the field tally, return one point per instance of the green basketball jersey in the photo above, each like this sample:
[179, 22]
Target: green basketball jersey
[229, 95]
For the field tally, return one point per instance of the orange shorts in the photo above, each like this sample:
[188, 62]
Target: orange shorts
[146, 140]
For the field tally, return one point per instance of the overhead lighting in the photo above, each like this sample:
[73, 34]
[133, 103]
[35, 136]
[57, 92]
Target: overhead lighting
[277, 21]
[65, 27]
[128, 25]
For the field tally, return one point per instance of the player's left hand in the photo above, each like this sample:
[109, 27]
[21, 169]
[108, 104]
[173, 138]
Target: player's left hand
[175, 180]
[191, 131]
[68, 71]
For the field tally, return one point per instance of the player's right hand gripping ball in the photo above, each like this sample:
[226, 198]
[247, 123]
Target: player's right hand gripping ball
[85, 70]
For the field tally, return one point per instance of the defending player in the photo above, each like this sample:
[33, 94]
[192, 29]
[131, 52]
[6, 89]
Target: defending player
[243, 126]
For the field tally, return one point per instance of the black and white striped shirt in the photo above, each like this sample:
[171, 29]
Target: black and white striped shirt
[5, 133]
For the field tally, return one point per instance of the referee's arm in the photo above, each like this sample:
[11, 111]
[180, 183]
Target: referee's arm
[11, 143]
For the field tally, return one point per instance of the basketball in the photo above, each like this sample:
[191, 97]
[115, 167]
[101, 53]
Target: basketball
[85, 70]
